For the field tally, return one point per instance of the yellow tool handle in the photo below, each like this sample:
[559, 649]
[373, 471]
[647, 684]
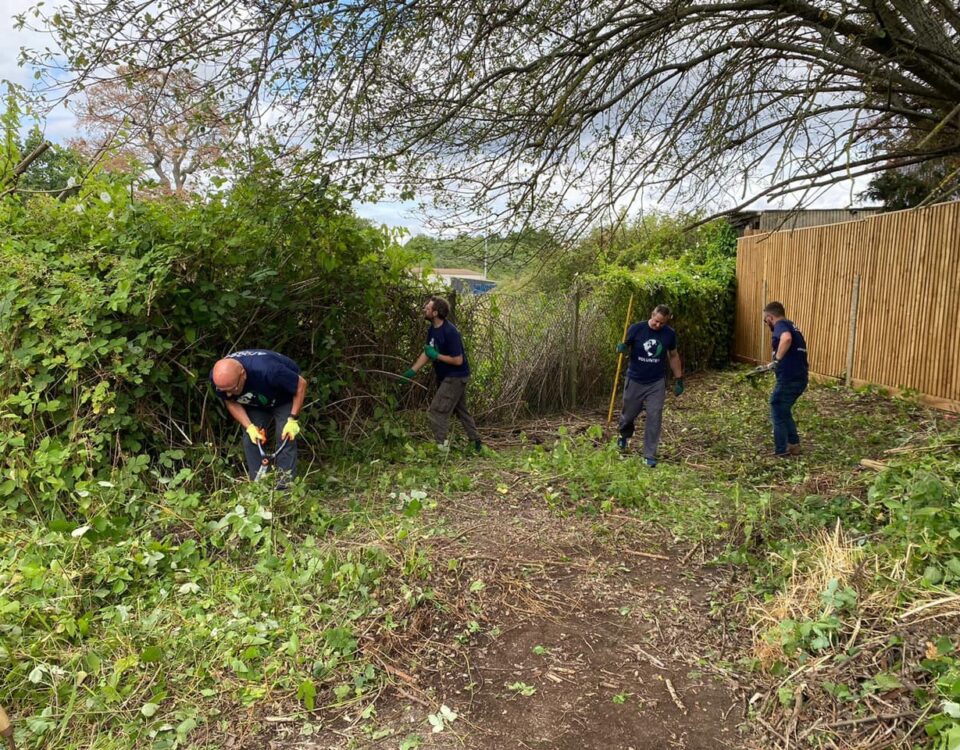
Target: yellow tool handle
[616, 380]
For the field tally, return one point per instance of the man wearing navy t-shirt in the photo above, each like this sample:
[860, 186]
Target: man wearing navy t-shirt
[652, 344]
[444, 347]
[790, 364]
[258, 386]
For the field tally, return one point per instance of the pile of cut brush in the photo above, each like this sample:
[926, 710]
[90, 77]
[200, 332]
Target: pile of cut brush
[861, 644]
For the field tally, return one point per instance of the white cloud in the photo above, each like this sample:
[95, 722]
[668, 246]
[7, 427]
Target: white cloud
[393, 214]
[59, 123]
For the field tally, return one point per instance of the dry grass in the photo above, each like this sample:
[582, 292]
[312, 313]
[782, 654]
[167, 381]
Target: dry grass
[831, 557]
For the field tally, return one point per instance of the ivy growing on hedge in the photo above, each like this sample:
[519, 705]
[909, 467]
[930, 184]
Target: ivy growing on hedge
[698, 282]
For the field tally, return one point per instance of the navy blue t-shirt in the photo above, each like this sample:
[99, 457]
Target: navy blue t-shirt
[446, 339]
[793, 366]
[271, 378]
[648, 352]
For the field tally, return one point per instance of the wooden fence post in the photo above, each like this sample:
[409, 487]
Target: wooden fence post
[852, 335]
[573, 356]
[763, 326]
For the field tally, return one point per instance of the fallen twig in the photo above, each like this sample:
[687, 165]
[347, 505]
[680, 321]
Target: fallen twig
[868, 719]
[649, 657]
[651, 555]
[676, 698]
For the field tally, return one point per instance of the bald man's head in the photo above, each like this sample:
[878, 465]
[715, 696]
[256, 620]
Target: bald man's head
[229, 376]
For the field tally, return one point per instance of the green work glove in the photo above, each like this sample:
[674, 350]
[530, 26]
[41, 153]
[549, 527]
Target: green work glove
[678, 386]
[621, 348]
[291, 429]
[255, 434]
[431, 352]
[410, 374]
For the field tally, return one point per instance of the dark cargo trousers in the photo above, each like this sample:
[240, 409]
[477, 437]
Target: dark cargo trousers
[261, 416]
[451, 397]
[638, 397]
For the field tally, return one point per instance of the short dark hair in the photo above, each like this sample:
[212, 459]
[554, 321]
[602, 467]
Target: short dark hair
[775, 308]
[663, 310]
[440, 306]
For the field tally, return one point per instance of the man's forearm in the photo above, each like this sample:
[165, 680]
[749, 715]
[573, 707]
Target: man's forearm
[238, 413]
[783, 347]
[420, 362]
[447, 359]
[299, 398]
[676, 365]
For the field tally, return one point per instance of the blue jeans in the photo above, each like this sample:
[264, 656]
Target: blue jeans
[784, 396]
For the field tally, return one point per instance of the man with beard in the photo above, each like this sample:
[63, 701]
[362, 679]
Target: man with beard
[444, 347]
[652, 344]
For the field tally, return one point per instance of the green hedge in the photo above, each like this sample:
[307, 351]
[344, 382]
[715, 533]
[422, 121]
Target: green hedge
[662, 261]
[112, 311]
[701, 297]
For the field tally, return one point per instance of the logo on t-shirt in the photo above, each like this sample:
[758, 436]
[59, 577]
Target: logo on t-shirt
[248, 398]
[652, 347]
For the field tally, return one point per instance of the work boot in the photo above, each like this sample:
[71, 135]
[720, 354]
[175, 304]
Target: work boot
[622, 443]
[652, 463]
[478, 446]
[793, 449]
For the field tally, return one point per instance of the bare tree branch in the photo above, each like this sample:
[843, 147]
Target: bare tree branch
[557, 112]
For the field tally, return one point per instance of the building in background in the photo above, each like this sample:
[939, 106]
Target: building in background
[774, 220]
[461, 280]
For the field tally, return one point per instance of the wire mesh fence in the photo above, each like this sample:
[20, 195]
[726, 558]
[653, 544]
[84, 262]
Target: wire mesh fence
[533, 353]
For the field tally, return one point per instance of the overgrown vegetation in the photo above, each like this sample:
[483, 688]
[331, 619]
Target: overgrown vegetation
[847, 577]
[530, 338]
[148, 598]
[113, 311]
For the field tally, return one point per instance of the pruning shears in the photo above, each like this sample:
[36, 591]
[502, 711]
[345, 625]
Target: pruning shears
[268, 459]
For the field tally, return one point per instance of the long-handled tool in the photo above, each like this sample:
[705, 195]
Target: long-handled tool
[267, 460]
[616, 380]
[396, 376]
[757, 372]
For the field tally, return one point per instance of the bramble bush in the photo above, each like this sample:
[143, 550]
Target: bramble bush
[113, 310]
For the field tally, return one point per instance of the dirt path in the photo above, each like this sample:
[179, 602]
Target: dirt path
[576, 636]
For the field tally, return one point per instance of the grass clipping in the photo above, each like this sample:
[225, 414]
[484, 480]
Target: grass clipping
[831, 557]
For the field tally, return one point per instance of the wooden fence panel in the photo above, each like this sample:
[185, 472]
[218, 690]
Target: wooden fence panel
[907, 333]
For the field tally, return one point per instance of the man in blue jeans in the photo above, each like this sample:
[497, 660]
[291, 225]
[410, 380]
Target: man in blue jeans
[790, 364]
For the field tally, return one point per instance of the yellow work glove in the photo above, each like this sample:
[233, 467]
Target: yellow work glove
[255, 434]
[291, 429]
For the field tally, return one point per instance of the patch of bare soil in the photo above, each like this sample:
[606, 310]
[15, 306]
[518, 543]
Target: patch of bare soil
[566, 637]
